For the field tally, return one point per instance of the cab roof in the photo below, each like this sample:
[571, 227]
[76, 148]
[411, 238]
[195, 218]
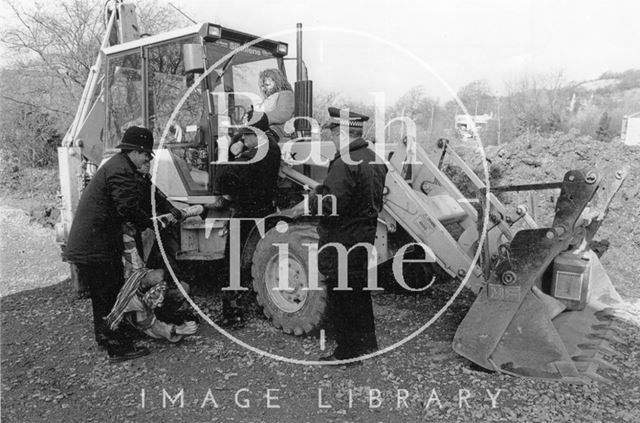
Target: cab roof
[195, 29]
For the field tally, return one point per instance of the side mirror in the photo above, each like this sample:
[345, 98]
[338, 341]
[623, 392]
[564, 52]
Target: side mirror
[192, 58]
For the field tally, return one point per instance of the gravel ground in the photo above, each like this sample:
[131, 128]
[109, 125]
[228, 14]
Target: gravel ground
[29, 256]
[53, 371]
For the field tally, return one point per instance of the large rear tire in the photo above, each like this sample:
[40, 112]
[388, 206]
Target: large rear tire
[298, 311]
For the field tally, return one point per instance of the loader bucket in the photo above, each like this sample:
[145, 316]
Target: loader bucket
[518, 325]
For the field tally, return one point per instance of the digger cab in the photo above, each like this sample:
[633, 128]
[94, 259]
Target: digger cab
[156, 82]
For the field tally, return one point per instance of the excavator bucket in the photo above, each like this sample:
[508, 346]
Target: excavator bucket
[546, 310]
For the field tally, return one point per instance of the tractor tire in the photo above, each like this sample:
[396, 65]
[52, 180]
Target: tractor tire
[297, 312]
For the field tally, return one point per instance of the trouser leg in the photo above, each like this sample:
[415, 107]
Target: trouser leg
[365, 330]
[351, 313]
[339, 315]
[232, 300]
[104, 281]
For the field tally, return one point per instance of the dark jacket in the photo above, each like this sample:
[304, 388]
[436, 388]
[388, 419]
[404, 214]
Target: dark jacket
[358, 190]
[117, 193]
[253, 187]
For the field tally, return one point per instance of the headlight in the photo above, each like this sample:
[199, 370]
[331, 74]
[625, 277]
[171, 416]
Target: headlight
[282, 49]
[211, 32]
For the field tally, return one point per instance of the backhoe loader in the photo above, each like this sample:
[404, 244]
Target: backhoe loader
[544, 303]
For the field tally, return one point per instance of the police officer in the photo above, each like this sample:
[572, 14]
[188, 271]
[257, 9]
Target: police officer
[356, 192]
[114, 197]
[250, 189]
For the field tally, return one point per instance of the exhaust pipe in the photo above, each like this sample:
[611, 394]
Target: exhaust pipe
[299, 64]
[303, 89]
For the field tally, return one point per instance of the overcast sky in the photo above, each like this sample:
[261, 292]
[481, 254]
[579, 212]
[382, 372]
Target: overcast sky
[382, 45]
[461, 40]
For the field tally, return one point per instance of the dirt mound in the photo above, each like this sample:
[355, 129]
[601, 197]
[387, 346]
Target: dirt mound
[536, 158]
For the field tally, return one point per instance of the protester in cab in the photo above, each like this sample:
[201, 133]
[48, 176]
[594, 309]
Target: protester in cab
[278, 103]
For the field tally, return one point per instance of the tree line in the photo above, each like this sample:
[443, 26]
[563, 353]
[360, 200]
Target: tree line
[533, 104]
[54, 47]
[51, 49]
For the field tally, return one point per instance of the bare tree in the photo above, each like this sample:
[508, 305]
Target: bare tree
[477, 97]
[535, 102]
[60, 43]
[63, 42]
[417, 105]
[53, 48]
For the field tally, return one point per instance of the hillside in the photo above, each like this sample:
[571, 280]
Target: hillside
[547, 159]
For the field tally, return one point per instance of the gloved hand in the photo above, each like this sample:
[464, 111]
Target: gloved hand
[177, 213]
[170, 218]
